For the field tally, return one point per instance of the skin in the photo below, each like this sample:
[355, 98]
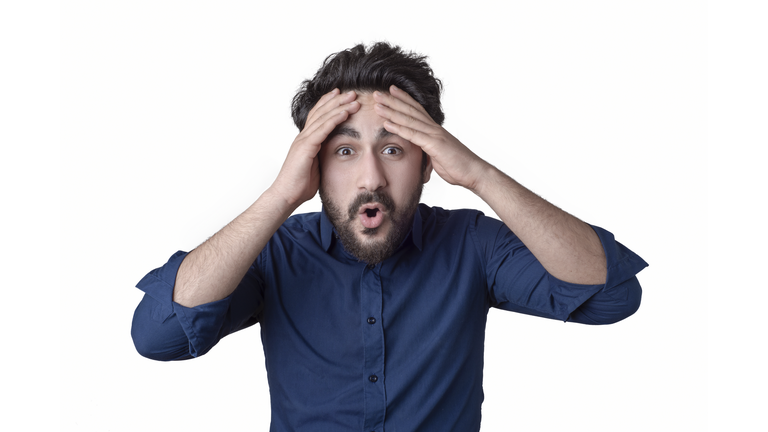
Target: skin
[213, 270]
[363, 157]
[567, 248]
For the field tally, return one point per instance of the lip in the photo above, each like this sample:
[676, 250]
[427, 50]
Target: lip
[363, 208]
[373, 220]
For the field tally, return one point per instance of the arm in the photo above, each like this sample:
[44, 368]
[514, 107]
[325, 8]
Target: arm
[213, 270]
[195, 299]
[566, 247]
[516, 280]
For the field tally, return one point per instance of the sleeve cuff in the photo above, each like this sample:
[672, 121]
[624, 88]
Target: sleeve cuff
[201, 324]
[606, 303]
[622, 264]
[620, 297]
[159, 283]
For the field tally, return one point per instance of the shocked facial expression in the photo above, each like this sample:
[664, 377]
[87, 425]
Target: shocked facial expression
[371, 183]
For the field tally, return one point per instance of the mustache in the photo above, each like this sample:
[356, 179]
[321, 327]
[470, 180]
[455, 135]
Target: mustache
[382, 198]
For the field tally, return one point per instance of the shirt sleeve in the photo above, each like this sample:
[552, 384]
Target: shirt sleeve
[165, 330]
[518, 282]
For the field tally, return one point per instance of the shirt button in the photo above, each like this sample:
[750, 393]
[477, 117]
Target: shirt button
[373, 378]
[371, 320]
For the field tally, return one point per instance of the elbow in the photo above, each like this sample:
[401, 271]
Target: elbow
[628, 307]
[152, 348]
[145, 347]
[619, 303]
[156, 340]
[635, 294]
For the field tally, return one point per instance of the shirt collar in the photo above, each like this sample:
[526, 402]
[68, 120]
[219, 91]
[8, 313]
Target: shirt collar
[327, 231]
[416, 229]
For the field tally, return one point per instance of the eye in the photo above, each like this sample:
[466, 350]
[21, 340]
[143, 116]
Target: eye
[392, 151]
[345, 151]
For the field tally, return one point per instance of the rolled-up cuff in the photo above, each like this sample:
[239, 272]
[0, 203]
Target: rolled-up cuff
[159, 284]
[622, 263]
[201, 324]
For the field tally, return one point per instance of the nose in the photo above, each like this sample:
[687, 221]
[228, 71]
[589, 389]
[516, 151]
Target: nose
[371, 176]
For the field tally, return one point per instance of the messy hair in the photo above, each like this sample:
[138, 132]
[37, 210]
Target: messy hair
[370, 69]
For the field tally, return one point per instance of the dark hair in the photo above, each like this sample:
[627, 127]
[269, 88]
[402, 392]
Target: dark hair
[371, 69]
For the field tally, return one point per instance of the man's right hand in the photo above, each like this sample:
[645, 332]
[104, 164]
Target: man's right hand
[212, 271]
[299, 177]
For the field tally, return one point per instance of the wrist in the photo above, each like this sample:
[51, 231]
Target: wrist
[487, 176]
[279, 202]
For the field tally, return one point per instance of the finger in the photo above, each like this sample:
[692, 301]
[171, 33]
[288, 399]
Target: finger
[414, 136]
[324, 128]
[331, 115]
[405, 119]
[334, 100]
[400, 95]
[309, 143]
[402, 106]
[325, 98]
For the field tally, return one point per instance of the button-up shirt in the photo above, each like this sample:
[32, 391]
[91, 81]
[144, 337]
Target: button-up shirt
[396, 346]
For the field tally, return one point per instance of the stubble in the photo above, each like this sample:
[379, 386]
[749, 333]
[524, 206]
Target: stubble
[368, 249]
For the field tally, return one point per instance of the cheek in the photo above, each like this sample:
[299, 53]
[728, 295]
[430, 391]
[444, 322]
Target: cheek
[411, 172]
[333, 181]
[407, 178]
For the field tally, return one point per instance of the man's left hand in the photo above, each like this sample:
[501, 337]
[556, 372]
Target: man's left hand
[451, 159]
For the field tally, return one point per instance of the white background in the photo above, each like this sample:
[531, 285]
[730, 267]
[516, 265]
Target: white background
[132, 129]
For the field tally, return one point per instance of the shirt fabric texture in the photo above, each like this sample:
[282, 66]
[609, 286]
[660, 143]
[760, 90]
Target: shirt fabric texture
[393, 347]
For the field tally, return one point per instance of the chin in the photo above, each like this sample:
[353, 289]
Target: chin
[371, 245]
[370, 233]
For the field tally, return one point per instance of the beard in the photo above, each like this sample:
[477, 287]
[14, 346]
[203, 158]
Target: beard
[368, 249]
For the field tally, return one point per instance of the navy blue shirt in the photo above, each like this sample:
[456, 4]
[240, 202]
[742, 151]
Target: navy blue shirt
[393, 347]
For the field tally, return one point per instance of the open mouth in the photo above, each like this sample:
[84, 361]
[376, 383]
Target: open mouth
[371, 216]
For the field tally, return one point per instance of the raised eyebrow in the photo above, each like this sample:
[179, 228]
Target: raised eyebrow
[346, 131]
[383, 133]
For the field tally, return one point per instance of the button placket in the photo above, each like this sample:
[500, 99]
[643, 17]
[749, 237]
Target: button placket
[374, 388]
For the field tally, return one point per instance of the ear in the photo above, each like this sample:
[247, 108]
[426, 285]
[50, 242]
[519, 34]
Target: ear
[427, 170]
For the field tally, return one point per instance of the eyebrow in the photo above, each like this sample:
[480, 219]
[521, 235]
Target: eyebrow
[383, 133]
[353, 133]
[346, 131]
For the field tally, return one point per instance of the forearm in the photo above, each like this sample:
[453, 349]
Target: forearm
[213, 270]
[566, 247]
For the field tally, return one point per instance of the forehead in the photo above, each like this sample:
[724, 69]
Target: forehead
[366, 114]
[365, 98]
[364, 124]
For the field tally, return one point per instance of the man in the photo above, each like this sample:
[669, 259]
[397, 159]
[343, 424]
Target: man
[373, 311]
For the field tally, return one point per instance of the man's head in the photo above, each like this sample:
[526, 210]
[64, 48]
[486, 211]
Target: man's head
[370, 183]
[371, 180]
[367, 70]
